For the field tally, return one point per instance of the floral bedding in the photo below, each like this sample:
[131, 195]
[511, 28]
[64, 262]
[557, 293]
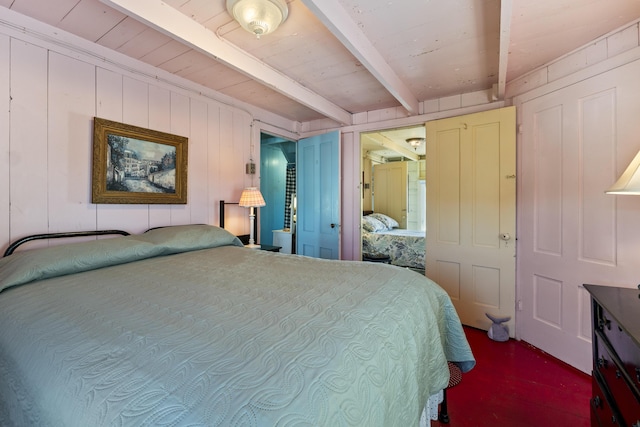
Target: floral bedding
[406, 248]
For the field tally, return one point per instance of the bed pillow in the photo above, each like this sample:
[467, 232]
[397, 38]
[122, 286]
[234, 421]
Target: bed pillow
[36, 264]
[372, 225]
[386, 220]
[184, 238]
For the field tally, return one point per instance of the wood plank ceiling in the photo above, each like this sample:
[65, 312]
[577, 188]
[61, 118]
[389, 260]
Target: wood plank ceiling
[333, 58]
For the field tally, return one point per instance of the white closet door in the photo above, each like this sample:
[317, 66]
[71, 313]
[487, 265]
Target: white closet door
[390, 191]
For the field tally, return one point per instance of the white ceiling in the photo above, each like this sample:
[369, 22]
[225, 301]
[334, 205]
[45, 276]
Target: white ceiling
[333, 58]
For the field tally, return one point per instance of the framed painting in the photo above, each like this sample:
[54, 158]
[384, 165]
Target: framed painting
[135, 165]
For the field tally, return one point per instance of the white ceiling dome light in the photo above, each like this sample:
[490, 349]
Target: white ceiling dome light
[415, 142]
[259, 17]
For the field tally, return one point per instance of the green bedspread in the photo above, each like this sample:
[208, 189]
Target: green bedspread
[223, 336]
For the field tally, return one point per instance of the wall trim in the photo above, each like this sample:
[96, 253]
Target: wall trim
[617, 61]
[408, 121]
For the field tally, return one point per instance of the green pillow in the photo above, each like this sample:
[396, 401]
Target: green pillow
[37, 264]
[182, 238]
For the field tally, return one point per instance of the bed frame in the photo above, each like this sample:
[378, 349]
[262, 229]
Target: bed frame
[13, 246]
[45, 236]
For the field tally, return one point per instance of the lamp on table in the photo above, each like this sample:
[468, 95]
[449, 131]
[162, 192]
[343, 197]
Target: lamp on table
[251, 198]
[629, 181]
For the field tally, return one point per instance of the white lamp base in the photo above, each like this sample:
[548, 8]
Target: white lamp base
[252, 218]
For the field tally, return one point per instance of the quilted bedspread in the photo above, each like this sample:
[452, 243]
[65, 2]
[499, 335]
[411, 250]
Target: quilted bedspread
[406, 248]
[226, 336]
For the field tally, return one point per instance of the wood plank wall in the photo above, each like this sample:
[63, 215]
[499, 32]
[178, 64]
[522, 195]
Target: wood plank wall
[48, 99]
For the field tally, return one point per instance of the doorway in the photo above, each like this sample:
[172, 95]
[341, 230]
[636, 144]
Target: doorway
[393, 176]
[278, 187]
[301, 191]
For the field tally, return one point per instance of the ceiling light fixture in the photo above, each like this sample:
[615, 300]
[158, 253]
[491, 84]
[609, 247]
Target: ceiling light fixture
[259, 17]
[415, 142]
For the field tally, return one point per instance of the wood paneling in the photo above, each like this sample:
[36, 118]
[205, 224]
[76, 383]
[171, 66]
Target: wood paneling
[198, 162]
[71, 98]
[180, 125]
[48, 143]
[5, 146]
[28, 140]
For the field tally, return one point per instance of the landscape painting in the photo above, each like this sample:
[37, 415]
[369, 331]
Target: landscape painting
[137, 165]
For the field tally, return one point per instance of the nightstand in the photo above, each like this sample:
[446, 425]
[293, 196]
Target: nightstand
[270, 248]
[284, 238]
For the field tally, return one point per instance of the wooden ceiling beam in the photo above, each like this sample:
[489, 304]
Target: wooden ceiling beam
[506, 11]
[386, 143]
[338, 21]
[178, 26]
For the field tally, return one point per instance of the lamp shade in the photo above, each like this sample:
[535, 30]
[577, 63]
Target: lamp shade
[259, 17]
[629, 181]
[251, 198]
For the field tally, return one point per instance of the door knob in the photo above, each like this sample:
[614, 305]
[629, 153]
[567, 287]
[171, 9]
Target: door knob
[505, 236]
[333, 225]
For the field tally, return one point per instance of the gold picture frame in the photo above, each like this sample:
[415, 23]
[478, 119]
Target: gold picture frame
[134, 165]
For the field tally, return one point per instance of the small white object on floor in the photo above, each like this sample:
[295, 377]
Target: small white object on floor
[498, 331]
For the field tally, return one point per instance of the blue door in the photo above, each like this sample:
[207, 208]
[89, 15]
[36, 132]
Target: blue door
[318, 192]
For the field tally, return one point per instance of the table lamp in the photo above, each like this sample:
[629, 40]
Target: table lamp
[251, 198]
[629, 181]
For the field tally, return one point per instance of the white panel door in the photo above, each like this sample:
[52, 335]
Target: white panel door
[575, 143]
[390, 191]
[471, 213]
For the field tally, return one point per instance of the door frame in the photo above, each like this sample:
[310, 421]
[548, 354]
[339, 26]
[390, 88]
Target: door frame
[272, 216]
[257, 130]
[351, 158]
[369, 179]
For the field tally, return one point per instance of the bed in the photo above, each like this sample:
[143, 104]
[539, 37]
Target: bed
[381, 235]
[183, 326]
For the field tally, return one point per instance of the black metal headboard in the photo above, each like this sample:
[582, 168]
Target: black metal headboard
[13, 246]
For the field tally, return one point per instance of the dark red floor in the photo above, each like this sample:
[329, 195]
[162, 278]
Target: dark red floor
[515, 384]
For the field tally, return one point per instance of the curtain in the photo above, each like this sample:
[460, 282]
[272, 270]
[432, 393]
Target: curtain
[290, 190]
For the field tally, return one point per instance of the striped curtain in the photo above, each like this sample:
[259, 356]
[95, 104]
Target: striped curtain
[291, 188]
